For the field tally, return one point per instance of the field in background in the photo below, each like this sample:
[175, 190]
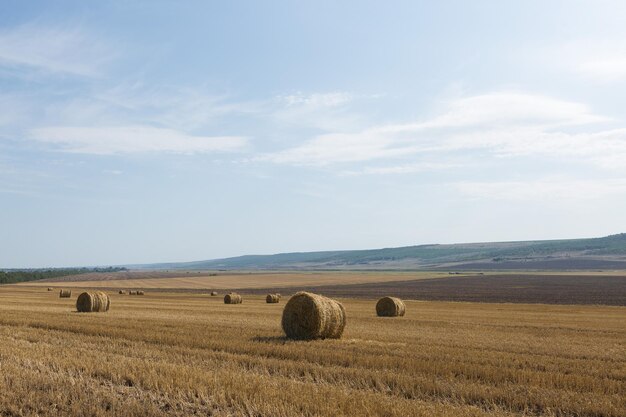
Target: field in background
[179, 354]
[228, 280]
[500, 288]
[583, 287]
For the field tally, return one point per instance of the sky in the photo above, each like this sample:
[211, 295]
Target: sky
[154, 131]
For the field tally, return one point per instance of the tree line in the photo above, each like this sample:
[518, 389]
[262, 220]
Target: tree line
[23, 275]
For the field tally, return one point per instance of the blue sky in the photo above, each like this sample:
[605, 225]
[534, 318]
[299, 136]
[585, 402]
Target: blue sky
[154, 131]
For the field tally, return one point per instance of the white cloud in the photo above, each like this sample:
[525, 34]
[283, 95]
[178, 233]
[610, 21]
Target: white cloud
[339, 147]
[112, 122]
[326, 111]
[599, 147]
[599, 60]
[402, 169]
[501, 124]
[317, 100]
[608, 68]
[544, 189]
[178, 108]
[53, 49]
[513, 109]
[133, 139]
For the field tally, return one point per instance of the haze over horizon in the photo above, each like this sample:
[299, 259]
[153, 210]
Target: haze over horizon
[159, 131]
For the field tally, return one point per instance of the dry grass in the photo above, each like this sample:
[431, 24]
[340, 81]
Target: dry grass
[185, 354]
[247, 280]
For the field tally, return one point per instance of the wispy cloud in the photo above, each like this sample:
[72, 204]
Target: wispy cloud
[609, 68]
[186, 108]
[317, 100]
[113, 172]
[52, 49]
[512, 109]
[501, 123]
[340, 147]
[403, 169]
[182, 108]
[133, 139]
[326, 111]
[137, 118]
[598, 60]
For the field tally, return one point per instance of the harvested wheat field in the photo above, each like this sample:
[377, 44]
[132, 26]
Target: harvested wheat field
[232, 280]
[185, 354]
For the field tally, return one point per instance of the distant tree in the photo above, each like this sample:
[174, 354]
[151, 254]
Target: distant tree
[24, 275]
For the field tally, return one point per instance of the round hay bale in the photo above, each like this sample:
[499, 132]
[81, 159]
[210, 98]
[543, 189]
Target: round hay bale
[278, 295]
[311, 316]
[122, 292]
[233, 298]
[272, 298]
[390, 307]
[213, 293]
[65, 293]
[132, 292]
[141, 293]
[92, 302]
[50, 288]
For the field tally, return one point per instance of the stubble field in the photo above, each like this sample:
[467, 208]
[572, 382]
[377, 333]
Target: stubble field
[169, 354]
[192, 280]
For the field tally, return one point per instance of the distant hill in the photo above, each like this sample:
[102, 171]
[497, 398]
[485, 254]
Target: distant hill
[596, 253]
